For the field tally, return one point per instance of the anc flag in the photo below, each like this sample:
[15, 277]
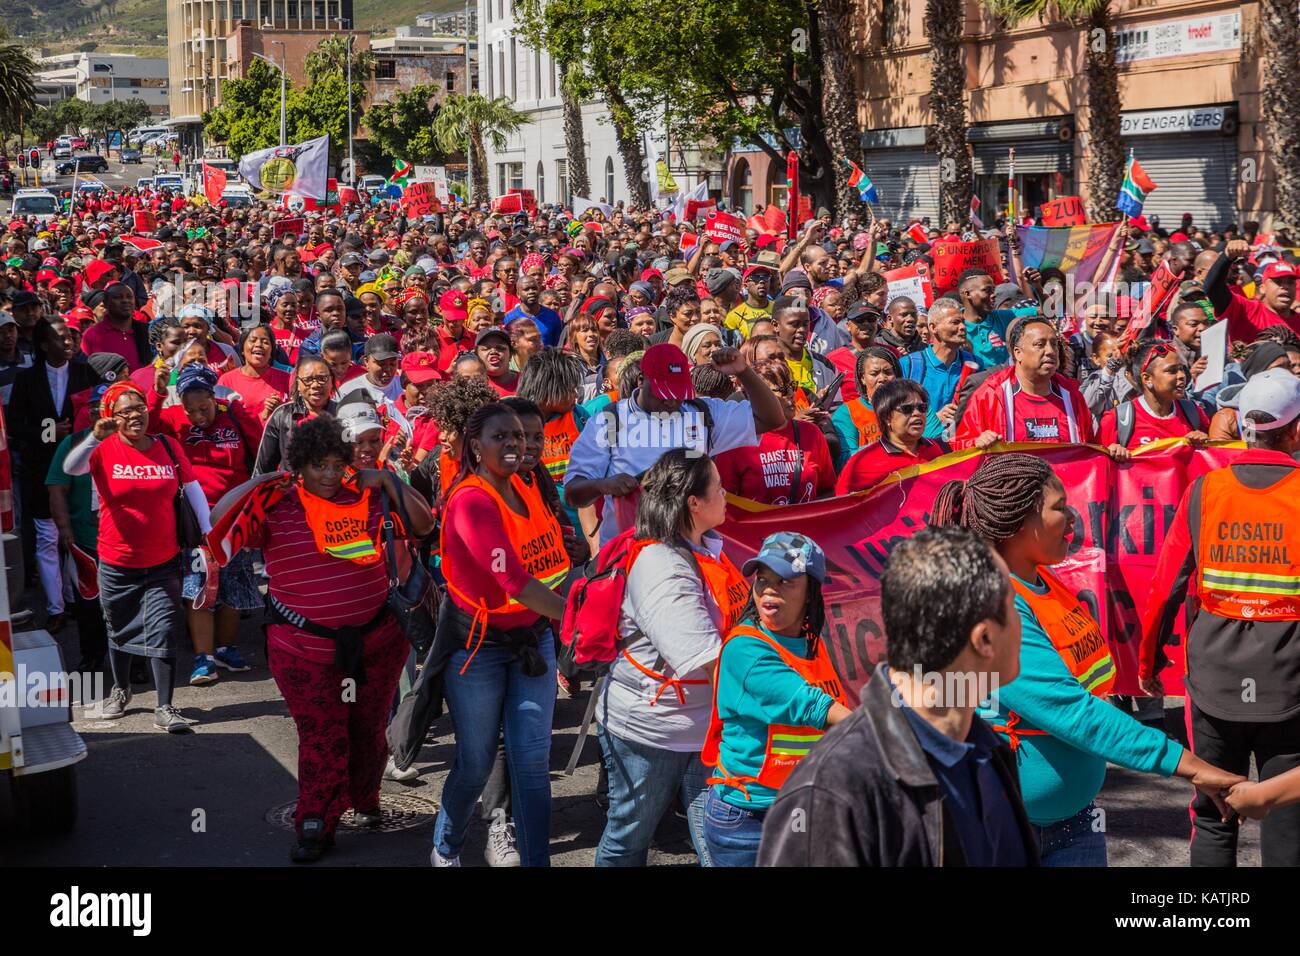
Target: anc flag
[1137, 184]
[859, 181]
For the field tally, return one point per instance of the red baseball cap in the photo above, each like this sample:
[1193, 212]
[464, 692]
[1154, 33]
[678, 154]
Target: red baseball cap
[97, 269]
[668, 373]
[421, 368]
[1280, 270]
[454, 306]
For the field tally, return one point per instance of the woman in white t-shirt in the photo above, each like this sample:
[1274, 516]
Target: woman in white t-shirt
[682, 595]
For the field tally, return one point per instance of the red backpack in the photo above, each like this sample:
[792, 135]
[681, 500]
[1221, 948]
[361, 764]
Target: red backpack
[591, 611]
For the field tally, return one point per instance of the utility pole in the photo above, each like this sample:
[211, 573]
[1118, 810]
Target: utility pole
[352, 169]
[469, 85]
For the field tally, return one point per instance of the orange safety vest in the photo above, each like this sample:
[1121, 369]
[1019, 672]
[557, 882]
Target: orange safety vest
[865, 421]
[786, 744]
[558, 437]
[537, 542]
[341, 531]
[1247, 570]
[448, 468]
[730, 591]
[1075, 634]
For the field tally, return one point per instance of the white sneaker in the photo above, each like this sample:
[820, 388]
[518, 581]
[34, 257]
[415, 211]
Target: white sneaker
[437, 859]
[500, 849]
[392, 773]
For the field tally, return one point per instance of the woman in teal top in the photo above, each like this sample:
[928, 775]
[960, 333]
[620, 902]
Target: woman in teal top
[855, 421]
[1062, 729]
[766, 713]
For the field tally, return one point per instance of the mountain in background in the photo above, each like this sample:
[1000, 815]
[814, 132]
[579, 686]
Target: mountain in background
[140, 26]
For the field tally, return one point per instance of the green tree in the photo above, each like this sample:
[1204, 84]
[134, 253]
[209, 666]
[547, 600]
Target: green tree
[330, 58]
[17, 85]
[468, 123]
[321, 109]
[1281, 35]
[945, 21]
[248, 118]
[403, 126]
[1106, 154]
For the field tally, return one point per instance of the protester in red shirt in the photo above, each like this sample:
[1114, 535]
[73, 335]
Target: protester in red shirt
[136, 477]
[1274, 303]
[793, 457]
[283, 303]
[493, 347]
[1029, 401]
[1163, 410]
[260, 386]
[452, 336]
[901, 406]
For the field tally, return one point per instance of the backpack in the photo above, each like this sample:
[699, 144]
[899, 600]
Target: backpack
[594, 602]
[1126, 418]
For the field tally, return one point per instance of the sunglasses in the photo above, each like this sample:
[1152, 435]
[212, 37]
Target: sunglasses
[1157, 351]
[911, 408]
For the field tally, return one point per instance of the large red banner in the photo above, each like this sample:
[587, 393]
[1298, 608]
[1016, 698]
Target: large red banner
[1121, 514]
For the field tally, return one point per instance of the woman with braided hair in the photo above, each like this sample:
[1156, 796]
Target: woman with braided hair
[1055, 714]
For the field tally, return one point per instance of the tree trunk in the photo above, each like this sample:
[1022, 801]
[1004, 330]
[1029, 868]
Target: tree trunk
[840, 100]
[629, 147]
[1280, 35]
[482, 192]
[575, 140]
[945, 20]
[1105, 145]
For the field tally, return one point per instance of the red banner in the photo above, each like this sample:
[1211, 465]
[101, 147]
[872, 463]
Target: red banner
[951, 259]
[502, 205]
[1121, 514]
[145, 221]
[722, 226]
[214, 181]
[792, 205]
[288, 227]
[529, 199]
[1163, 284]
[1064, 211]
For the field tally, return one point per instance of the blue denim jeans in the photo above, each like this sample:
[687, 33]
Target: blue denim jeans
[643, 781]
[1073, 841]
[732, 834]
[492, 696]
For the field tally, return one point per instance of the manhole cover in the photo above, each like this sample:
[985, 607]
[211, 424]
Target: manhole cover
[398, 811]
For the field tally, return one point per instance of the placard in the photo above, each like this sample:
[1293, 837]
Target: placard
[1064, 211]
[951, 259]
[722, 226]
[288, 227]
[421, 199]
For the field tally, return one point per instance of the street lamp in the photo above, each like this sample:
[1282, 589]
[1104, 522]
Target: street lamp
[266, 25]
[352, 169]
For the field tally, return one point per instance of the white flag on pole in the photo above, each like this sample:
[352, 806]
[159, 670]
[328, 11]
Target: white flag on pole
[699, 194]
[652, 167]
[582, 204]
[301, 169]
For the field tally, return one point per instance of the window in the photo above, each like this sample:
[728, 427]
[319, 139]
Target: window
[451, 82]
[516, 171]
[385, 69]
[501, 179]
[501, 9]
[514, 71]
[541, 183]
[562, 182]
[492, 86]
[501, 67]
[609, 180]
[537, 74]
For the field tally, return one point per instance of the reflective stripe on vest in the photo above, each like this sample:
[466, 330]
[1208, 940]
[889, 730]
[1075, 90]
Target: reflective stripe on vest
[1246, 548]
[1075, 634]
[558, 437]
[786, 744]
[865, 421]
[341, 531]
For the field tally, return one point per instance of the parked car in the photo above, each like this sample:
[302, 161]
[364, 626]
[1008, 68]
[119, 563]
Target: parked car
[85, 163]
[130, 155]
[62, 150]
[79, 142]
[39, 203]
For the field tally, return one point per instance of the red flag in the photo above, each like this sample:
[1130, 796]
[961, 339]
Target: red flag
[916, 232]
[773, 219]
[792, 183]
[142, 243]
[214, 181]
[512, 203]
[145, 221]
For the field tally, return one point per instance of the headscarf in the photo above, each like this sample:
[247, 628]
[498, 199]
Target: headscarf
[694, 335]
[374, 287]
[405, 296]
[532, 260]
[822, 294]
[272, 296]
[473, 304]
[116, 391]
[636, 310]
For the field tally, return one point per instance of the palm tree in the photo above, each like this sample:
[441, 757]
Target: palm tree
[468, 123]
[945, 20]
[575, 138]
[17, 84]
[1105, 145]
[840, 97]
[628, 139]
[331, 57]
[1282, 126]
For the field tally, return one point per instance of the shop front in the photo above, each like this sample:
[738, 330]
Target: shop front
[1044, 164]
[904, 172]
[1191, 155]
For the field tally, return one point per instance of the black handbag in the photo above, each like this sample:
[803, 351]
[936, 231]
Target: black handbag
[188, 533]
[414, 600]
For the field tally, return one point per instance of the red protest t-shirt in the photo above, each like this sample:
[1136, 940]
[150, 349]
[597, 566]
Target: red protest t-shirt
[103, 337]
[1044, 418]
[218, 454]
[871, 465]
[137, 517]
[254, 390]
[764, 472]
[1149, 427]
[289, 340]
[1246, 318]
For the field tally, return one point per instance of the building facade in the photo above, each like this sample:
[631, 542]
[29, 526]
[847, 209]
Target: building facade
[103, 78]
[1190, 76]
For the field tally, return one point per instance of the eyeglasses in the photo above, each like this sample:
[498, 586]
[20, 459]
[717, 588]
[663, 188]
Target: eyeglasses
[911, 408]
[315, 380]
[135, 411]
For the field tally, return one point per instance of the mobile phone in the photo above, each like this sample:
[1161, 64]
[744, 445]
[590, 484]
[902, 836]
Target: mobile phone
[832, 389]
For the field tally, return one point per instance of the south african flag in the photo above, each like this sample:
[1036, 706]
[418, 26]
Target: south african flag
[402, 175]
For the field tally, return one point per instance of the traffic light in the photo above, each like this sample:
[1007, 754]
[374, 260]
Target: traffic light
[22, 160]
[35, 158]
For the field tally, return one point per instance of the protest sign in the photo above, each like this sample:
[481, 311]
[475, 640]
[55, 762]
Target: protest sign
[1121, 513]
[1064, 211]
[421, 199]
[951, 259]
[507, 204]
[288, 227]
[1163, 284]
[145, 221]
[912, 283]
[529, 199]
[722, 226]
[1214, 346]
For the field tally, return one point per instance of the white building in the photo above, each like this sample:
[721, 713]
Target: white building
[104, 77]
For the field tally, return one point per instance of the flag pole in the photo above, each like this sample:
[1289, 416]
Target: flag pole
[1011, 184]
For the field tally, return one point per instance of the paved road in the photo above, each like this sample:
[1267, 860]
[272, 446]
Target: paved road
[214, 798]
[119, 175]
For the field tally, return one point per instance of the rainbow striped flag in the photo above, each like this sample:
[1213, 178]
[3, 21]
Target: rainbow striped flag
[1076, 249]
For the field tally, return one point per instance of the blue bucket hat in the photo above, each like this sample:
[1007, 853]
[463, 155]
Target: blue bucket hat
[196, 376]
[789, 554]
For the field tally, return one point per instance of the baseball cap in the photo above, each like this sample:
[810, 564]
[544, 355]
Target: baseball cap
[352, 259]
[1276, 393]
[24, 298]
[490, 331]
[357, 418]
[381, 347]
[676, 276]
[96, 269]
[454, 306]
[668, 372]
[352, 306]
[1005, 294]
[789, 554]
[6, 319]
[1280, 270]
[718, 279]
[861, 310]
[420, 368]
[1146, 246]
